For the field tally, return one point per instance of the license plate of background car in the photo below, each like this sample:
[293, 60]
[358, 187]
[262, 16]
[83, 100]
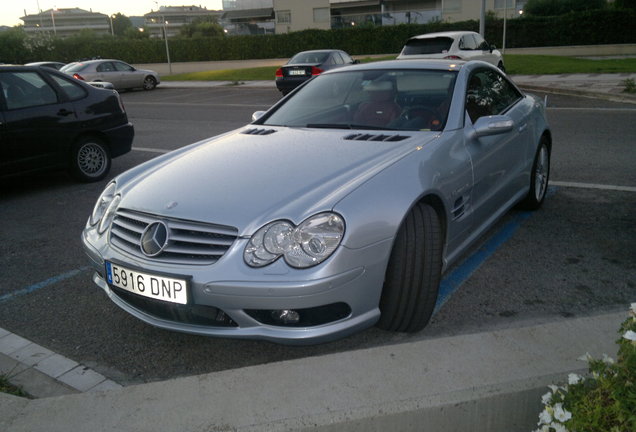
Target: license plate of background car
[148, 285]
[297, 72]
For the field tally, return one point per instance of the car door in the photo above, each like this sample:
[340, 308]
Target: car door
[492, 103]
[106, 71]
[38, 123]
[130, 77]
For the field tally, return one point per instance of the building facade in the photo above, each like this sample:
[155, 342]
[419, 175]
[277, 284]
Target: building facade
[170, 19]
[67, 22]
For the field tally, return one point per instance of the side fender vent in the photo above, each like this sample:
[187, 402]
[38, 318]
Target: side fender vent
[372, 137]
[257, 131]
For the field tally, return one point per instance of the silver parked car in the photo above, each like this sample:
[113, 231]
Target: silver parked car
[455, 45]
[121, 75]
[337, 209]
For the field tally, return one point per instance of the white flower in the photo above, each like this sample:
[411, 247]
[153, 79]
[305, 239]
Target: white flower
[630, 335]
[586, 357]
[546, 398]
[553, 388]
[574, 379]
[561, 414]
[633, 306]
[558, 427]
[545, 417]
[607, 359]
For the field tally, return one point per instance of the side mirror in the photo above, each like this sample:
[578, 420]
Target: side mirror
[492, 125]
[493, 47]
[257, 115]
[356, 62]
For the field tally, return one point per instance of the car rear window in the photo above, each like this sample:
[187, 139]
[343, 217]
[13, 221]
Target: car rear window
[315, 57]
[437, 45]
[75, 67]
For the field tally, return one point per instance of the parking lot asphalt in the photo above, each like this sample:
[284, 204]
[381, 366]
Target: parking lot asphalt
[369, 389]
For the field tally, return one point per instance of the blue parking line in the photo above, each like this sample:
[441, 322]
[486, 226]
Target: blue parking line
[453, 280]
[43, 284]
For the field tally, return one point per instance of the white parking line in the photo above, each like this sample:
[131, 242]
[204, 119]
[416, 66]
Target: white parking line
[593, 186]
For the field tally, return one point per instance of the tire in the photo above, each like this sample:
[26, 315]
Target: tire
[90, 160]
[413, 274]
[150, 83]
[539, 177]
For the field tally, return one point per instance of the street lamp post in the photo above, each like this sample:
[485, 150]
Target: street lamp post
[165, 36]
[53, 20]
[503, 48]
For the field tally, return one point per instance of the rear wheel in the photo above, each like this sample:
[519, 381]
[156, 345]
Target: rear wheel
[90, 160]
[539, 178]
[413, 274]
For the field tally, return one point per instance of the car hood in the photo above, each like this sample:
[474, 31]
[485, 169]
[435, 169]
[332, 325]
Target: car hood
[245, 180]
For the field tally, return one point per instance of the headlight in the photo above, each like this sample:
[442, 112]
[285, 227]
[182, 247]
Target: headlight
[109, 215]
[306, 245]
[102, 204]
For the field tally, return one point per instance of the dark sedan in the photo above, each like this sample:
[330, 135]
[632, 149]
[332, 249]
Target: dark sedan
[50, 120]
[307, 64]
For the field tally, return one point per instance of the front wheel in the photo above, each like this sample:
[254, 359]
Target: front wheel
[150, 83]
[539, 178]
[90, 160]
[413, 274]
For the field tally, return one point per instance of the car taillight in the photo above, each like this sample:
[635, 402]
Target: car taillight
[78, 76]
[315, 71]
[279, 73]
[453, 57]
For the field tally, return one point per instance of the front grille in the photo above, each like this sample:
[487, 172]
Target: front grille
[187, 314]
[188, 242]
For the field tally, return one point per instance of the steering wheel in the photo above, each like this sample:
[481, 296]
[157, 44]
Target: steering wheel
[422, 117]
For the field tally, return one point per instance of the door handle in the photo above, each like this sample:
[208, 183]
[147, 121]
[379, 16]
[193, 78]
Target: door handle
[64, 112]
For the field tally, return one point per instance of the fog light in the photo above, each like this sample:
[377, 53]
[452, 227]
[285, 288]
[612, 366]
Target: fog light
[286, 316]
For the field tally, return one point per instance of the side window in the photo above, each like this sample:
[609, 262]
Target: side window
[346, 58]
[489, 93]
[26, 89]
[123, 67]
[337, 59]
[467, 43]
[73, 90]
[481, 43]
[105, 67]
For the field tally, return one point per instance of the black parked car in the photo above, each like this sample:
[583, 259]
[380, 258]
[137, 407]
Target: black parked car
[307, 64]
[50, 120]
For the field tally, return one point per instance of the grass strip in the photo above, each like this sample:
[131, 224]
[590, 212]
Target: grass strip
[515, 65]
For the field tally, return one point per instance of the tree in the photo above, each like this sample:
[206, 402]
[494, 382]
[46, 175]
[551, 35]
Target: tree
[133, 33]
[206, 26]
[121, 23]
[561, 7]
[625, 4]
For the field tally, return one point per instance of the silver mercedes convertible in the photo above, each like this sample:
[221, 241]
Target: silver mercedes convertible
[337, 209]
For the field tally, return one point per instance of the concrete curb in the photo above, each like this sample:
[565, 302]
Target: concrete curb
[42, 373]
[479, 382]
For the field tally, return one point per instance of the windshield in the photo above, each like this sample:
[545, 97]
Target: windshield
[370, 99]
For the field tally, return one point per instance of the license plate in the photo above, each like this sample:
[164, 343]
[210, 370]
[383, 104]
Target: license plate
[157, 287]
[297, 72]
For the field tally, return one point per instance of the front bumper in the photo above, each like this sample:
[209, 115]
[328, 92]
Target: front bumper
[228, 287]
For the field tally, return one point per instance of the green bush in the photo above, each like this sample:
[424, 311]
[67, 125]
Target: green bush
[605, 401]
[608, 26]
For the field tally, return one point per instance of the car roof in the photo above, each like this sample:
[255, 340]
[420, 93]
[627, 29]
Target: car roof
[452, 34]
[317, 51]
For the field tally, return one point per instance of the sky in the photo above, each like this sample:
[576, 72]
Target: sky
[12, 10]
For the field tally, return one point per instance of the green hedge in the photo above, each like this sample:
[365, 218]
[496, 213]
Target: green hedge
[582, 28]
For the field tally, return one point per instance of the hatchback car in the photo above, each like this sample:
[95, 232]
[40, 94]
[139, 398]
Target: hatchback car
[122, 75]
[459, 45]
[337, 209]
[49, 120]
[308, 64]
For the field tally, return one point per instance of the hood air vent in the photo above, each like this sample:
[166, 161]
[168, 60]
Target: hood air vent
[371, 137]
[257, 131]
